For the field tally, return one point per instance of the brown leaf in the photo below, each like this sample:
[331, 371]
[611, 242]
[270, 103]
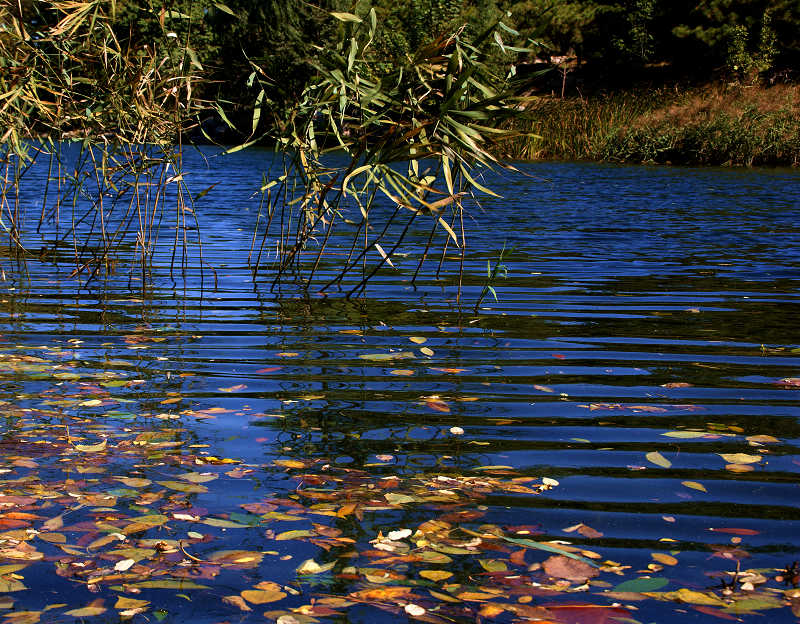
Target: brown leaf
[559, 566]
[236, 601]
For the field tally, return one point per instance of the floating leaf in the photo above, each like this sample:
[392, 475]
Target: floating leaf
[91, 610]
[180, 486]
[654, 457]
[168, 584]
[53, 538]
[235, 388]
[309, 566]
[439, 406]
[134, 482]
[125, 564]
[435, 575]
[198, 477]
[762, 439]
[641, 585]
[560, 566]
[386, 357]
[91, 448]
[418, 339]
[735, 531]
[223, 524]
[262, 596]
[292, 535]
[238, 558]
[688, 596]
[289, 463]
[236, 601]
[426, 351]
[130, 603]
[694, 485]
[399, 499]
[402, 372]
[687, 435]
[740, 458]
[665, 559]
[493, 565]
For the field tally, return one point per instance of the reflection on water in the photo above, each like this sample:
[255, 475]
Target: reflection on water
[643, 352]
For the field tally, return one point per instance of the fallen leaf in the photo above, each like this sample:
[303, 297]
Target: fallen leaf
[559, 566]
[694, 485]
[435, 575]
[414, 610]
[664, 558]
[386, 357]
[236, 601]
[437, 405]
[654, 457]
[735, 531]
[262, 596]
[122, 566]
[235, 388]
[91, 448]
[740, 458]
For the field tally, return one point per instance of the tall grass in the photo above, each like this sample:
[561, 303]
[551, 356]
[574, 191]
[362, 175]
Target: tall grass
[715, 125]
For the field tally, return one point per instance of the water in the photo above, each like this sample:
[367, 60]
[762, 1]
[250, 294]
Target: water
[641, 353]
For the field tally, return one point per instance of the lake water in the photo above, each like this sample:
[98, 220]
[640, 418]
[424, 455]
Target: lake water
[642, 355]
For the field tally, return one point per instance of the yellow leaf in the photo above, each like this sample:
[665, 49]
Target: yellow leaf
[654, 457]
[289, 463]
[740, 458]
[418, 339]
[665, 559]
[262, 596]
[130, 603]
[435, 575]
[91, 448]
[688, 596]
[89, 611]
[694, 485]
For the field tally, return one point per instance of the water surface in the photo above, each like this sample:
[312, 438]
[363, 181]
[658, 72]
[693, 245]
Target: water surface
[641, 352]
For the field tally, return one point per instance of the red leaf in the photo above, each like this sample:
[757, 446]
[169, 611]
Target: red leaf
[558, 356]
[439, 406]
[714, 612]
[587, 613]
[736, 531]
[271, 369]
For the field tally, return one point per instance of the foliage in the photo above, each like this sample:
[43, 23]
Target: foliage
[713, 126]
[67, 76]
[414, 132]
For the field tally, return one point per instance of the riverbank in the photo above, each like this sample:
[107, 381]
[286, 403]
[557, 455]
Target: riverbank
[732, 125]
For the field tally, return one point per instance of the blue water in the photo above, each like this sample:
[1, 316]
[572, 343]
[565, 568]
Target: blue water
[622, 282]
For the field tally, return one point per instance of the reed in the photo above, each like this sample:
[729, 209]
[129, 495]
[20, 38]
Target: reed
[730, 125]
[109, 118]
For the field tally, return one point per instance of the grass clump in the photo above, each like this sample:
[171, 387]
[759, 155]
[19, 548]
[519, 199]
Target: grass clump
[730, 125]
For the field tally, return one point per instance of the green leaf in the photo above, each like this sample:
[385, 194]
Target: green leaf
[224, 8]
[654, 457]
[180, 486]
[642, 585]
[347, 17]
[168, 584]
[385, 357]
